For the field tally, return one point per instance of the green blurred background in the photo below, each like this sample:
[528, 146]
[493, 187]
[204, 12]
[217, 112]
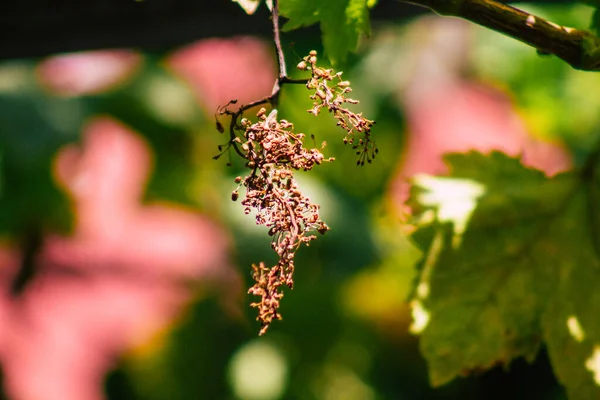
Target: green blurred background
[345, 332]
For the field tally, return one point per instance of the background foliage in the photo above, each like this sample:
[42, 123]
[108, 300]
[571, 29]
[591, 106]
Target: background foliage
[497, 259]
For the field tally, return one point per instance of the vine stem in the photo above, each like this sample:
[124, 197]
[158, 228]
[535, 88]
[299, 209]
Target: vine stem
[277, 40]
[273, 98]
[282, 77]
[579, 48]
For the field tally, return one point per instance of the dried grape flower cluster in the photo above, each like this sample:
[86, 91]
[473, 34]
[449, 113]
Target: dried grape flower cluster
[273, 151]
[330, 93]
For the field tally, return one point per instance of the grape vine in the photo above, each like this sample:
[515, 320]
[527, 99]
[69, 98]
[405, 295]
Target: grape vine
[272, 151]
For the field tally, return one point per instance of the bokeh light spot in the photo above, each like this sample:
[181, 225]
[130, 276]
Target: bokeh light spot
[258, 371]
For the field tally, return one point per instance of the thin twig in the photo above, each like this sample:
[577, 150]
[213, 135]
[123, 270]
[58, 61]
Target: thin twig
[277, 40]
[273, 98]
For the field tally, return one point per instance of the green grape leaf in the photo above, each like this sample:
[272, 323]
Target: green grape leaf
[299, 13]
[595, 24]
[591, 3]
[510, 264]
[341, 21]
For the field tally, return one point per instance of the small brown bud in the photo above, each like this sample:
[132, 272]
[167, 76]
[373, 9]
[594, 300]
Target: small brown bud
[301, 65]
[220, 127]
[234, 195]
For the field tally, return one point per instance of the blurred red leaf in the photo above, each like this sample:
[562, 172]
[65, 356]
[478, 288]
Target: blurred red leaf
[122, 275]
[87, 72]
[461, 116]
[220, 70]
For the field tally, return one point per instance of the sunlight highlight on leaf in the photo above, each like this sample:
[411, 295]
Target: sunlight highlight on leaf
[420, 317]
[575, 328]
[423, 290]
[592, 364]
[431, 258]
[454, 198]
[249, 6]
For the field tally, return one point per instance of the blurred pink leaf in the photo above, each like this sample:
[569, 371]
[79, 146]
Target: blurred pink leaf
[220, 70]
[463, 116]
[123, 274]
[468, 116]
[447, 112]
[88, 72]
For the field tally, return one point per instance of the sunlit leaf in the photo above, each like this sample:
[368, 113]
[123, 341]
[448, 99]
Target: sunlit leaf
[300, 13]
[595, 24]
[342, 22]
[525, 273]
